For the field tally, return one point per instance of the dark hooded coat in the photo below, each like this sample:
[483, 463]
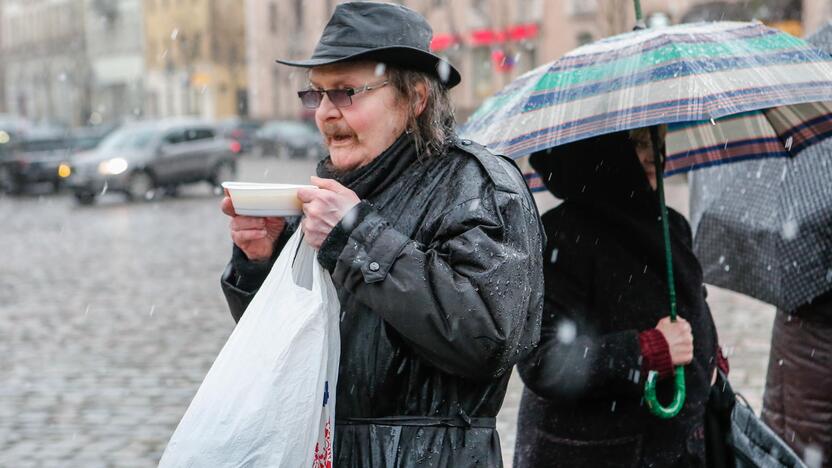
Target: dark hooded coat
[438, 272]
[605, 282]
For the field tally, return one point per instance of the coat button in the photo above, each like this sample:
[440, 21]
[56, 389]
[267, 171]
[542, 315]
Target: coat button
[466, 142]
[374, 266]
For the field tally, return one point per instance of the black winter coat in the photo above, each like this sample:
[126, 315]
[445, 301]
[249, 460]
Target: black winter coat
[605, 282]
[438, 272]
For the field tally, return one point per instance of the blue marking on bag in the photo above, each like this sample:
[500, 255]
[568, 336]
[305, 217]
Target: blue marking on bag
[326, 392]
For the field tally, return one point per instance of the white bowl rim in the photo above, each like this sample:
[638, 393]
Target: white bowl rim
[262, 186]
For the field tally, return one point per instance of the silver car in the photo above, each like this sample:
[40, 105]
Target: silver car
[142, 158]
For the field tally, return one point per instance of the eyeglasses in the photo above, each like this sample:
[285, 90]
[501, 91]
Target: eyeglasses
[342, 97]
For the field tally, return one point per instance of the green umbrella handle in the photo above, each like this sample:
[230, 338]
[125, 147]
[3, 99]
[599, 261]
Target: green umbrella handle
[650, 386]
[678, 398]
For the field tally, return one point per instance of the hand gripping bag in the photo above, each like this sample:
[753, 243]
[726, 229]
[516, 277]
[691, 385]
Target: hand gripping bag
[269, 398]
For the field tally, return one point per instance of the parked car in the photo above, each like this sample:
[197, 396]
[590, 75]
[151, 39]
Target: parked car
[240, 130]
[140, 159]
[288, 138]
[87, 138]
[14, 124]
[33, 158]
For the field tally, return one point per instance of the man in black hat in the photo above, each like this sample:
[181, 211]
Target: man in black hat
[433, 244]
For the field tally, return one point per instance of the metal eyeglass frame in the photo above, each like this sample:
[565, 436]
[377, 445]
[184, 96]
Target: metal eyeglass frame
[347, 94]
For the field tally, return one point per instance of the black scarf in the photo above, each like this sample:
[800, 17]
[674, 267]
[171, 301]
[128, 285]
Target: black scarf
[373, 178]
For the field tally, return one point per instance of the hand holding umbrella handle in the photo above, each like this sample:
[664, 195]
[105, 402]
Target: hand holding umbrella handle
[678, 398]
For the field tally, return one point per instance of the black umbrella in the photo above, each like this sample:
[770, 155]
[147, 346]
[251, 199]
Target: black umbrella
[764, 228]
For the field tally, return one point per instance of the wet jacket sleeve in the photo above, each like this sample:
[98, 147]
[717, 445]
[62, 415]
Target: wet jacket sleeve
[462, 301]
[573, 360]
[242, 277]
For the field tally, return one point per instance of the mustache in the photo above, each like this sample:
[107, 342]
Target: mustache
[330, 130]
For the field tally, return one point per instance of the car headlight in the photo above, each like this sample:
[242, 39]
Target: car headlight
[113, 166]
[64, 170]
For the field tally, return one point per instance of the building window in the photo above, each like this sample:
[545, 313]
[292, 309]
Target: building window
[272, 18]
[584, 38]
[299, 15]
[478, 15]
[583, 7]
[483, 73]
[529, 11]
[528, 60]
[196, 47]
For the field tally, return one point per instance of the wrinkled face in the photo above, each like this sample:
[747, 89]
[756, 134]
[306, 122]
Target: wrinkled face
[644, 149]
[358, 133]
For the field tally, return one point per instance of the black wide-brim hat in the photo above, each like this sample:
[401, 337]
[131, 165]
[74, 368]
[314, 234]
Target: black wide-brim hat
[382, 32]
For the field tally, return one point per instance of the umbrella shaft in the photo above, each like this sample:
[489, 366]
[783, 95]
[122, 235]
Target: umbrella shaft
[668, 256]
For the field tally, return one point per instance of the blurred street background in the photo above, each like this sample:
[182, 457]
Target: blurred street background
[110, 306]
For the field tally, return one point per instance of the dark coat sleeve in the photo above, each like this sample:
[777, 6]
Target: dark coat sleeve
[462, 302]
[574, 360]
[242, 277]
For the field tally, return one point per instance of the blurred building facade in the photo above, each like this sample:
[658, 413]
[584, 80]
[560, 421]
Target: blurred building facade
[290, 29]
[83, 61]
[115, 41]
[280, 29]
[2, 66]
[47, 71]
[490, 41]
[195, 57]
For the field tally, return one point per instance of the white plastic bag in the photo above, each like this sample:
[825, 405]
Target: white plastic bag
[260, 404]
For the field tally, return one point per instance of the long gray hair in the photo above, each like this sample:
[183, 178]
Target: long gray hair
[433, 129]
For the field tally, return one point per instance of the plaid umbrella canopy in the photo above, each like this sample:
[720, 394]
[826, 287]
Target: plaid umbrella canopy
[680, 74]
[764, 228]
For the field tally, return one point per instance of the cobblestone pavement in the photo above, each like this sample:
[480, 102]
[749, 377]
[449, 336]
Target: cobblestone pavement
[112, 314]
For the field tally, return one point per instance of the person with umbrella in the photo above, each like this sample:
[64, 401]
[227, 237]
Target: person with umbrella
[434, 246]
[797, 401]
[605, 322]
[744, 90]
[764, 228]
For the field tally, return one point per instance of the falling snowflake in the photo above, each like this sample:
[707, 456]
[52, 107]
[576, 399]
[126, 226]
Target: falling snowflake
[789, 230]
[567, 331]
[444, 70]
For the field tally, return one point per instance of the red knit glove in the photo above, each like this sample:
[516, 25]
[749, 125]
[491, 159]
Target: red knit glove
[722, 361]
[655, 353]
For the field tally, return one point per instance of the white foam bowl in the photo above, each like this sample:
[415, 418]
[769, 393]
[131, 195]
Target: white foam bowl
[259, 199]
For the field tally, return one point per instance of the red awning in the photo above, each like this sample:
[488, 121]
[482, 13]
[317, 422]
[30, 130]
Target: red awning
[442, 42]
[483, 37]
[522, 32]
[487, 37]
[519, 32]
